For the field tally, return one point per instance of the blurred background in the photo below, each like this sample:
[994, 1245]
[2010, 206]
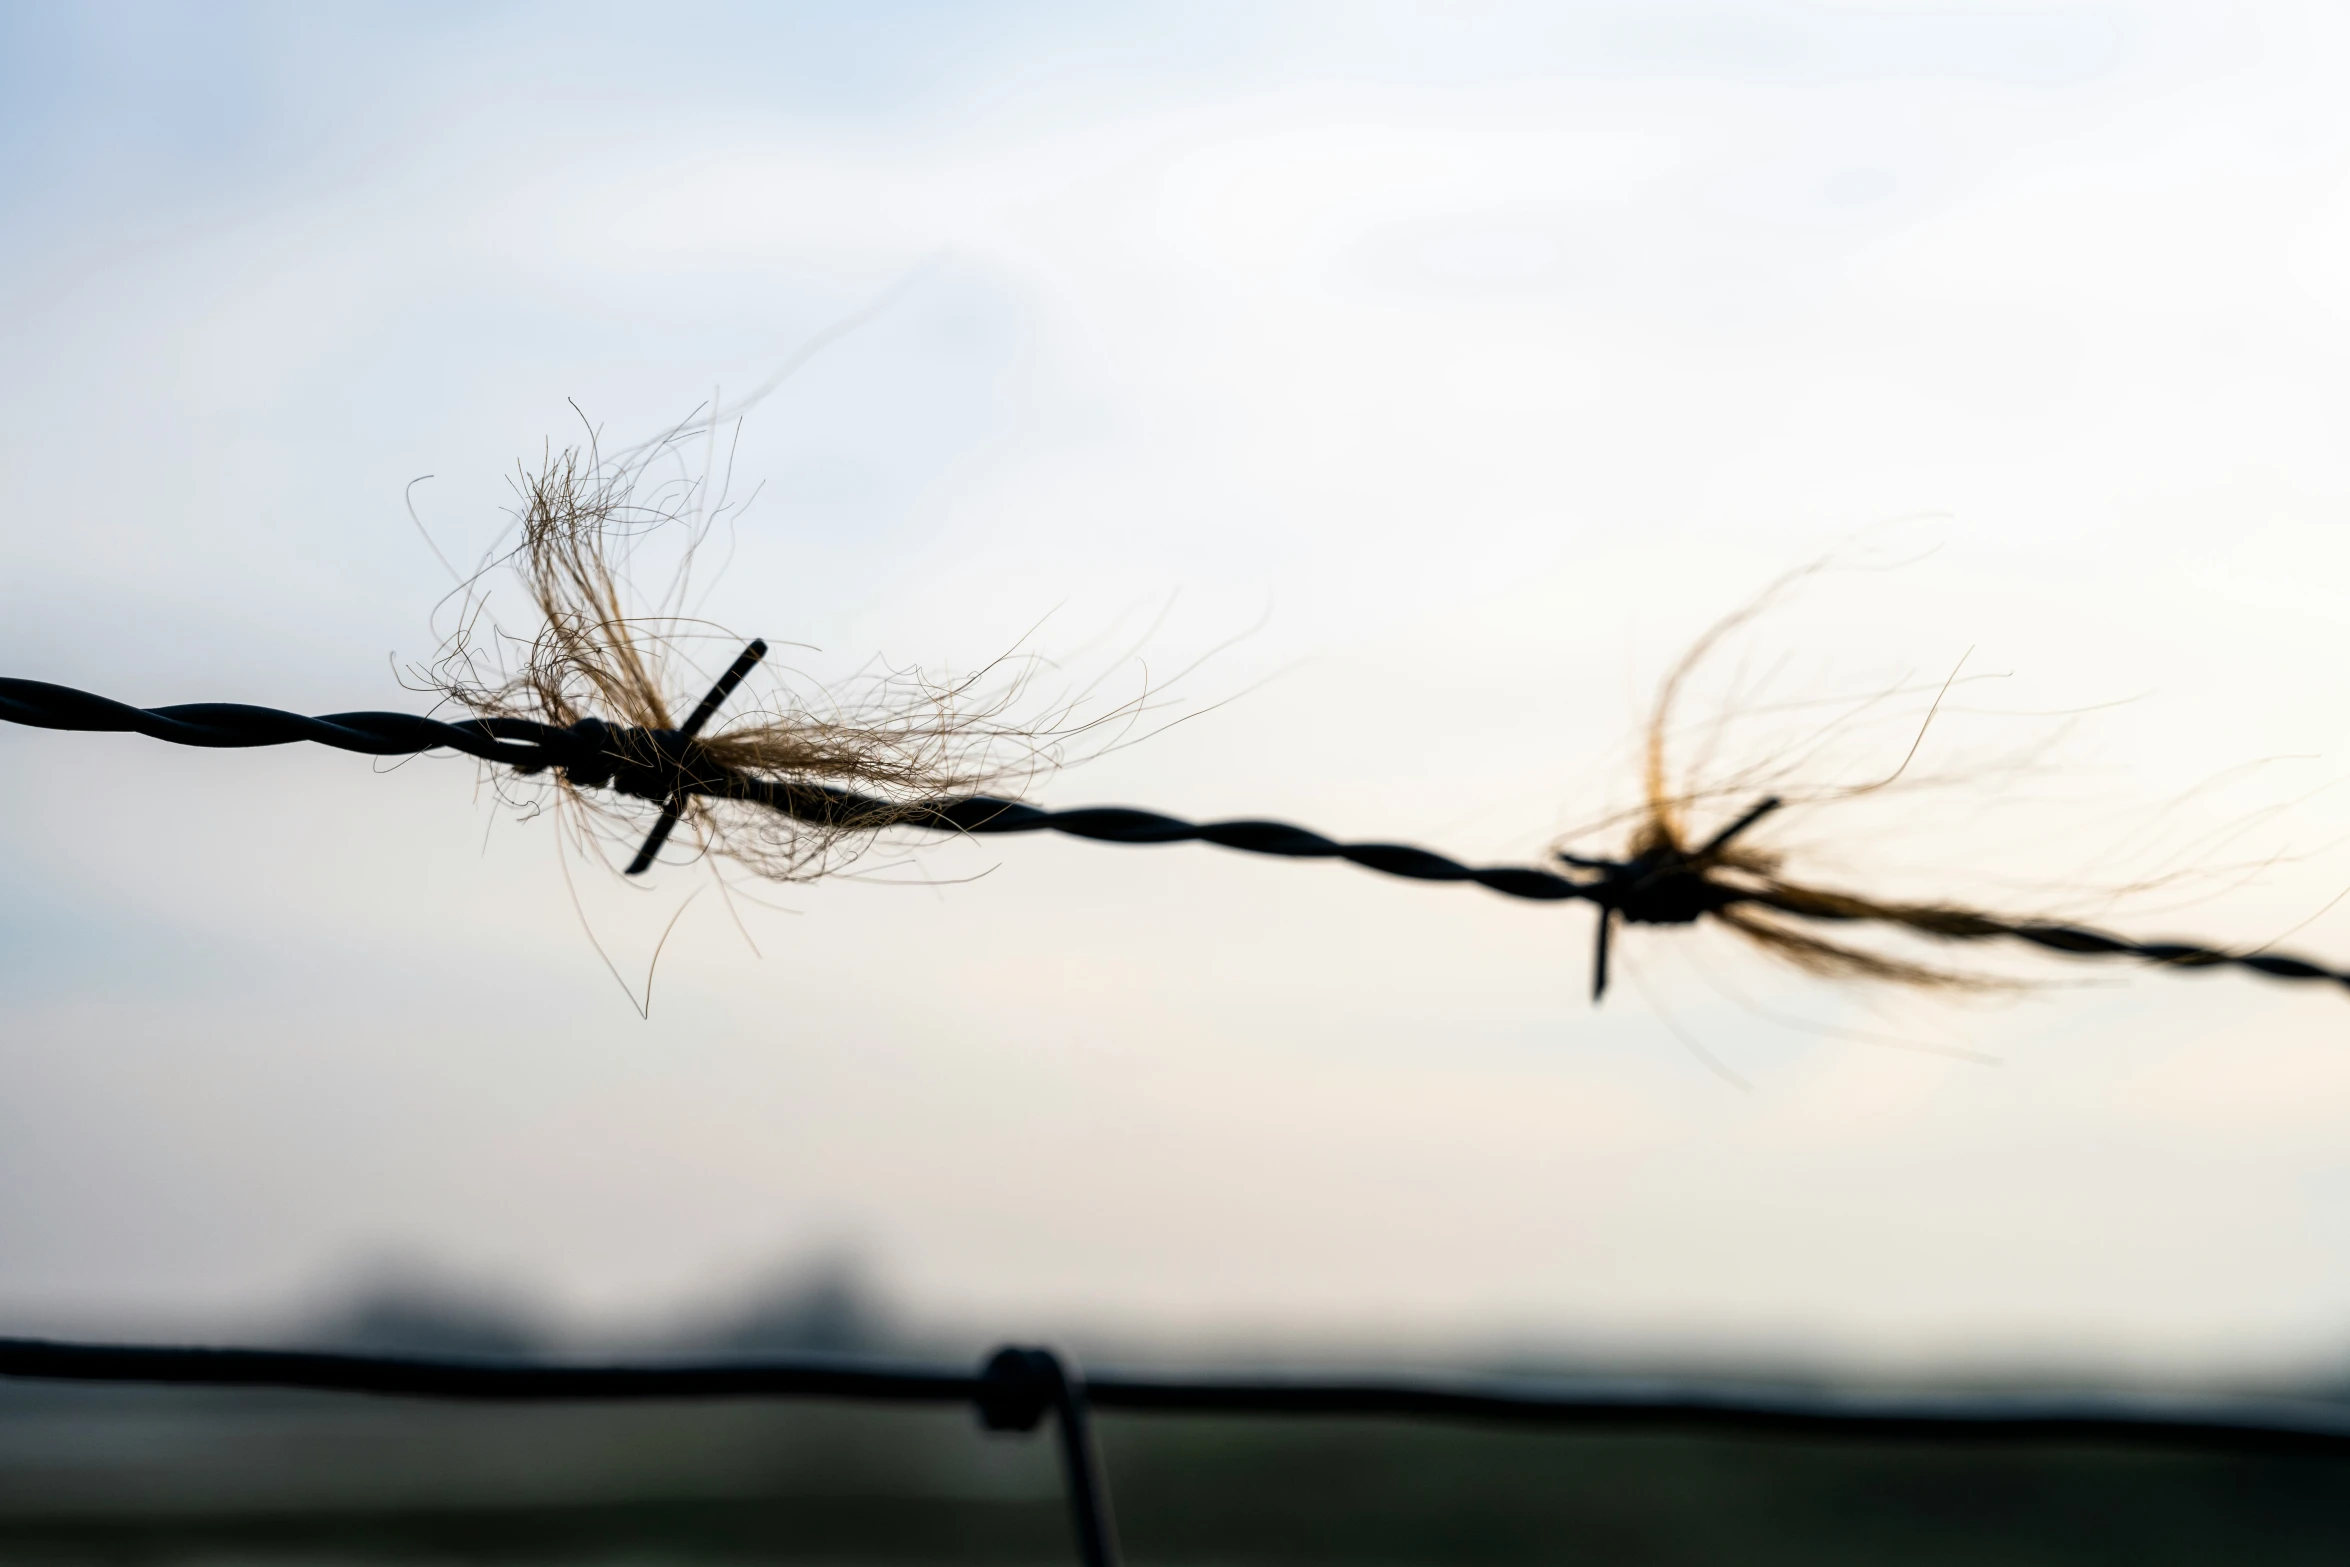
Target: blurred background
[1391, 391]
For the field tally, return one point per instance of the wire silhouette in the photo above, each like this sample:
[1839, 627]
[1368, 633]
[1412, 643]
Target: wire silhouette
[1019, 1386]
[1659, 884]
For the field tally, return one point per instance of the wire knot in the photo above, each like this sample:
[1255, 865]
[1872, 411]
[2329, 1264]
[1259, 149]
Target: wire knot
[1663, 895]
[648, 764]
[1661, 886]
[1018, 1387]
[666, 766]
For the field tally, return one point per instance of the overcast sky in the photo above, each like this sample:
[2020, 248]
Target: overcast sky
[1463, 364]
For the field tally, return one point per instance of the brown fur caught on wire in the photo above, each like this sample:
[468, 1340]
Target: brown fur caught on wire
[883, 747]
[894, 761]
[792, 794]
[1668, 875]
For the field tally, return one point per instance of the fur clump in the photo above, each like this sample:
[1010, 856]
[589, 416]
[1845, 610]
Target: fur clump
[1769, 909]
[895, 737]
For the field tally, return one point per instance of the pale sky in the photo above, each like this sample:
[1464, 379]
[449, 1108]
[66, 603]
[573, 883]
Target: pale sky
[1470, 360]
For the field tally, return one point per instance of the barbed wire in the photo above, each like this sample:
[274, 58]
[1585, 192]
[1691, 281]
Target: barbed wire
[670, 766]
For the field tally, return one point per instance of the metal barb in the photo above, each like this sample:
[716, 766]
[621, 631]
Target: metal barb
[674, 807]
[1721, 840]
[1607, 922]
[1621, 880]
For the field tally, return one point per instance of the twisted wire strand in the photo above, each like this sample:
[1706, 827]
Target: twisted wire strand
[649, 765]
[664, 765]
[2076, 940]
[235, 725]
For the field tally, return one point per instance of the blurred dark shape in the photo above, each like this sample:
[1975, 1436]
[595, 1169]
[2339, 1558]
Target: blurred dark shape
[828, 1306]
[403, 1310]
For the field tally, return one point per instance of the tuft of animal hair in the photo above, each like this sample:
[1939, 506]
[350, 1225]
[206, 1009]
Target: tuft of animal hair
[896, 737]
[1747, 888]
[1756, 870]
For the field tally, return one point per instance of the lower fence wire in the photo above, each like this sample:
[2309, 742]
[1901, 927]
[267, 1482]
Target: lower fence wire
[1019, 1386]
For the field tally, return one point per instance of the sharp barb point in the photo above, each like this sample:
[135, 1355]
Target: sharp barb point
[1607, 919]
[655, 839]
